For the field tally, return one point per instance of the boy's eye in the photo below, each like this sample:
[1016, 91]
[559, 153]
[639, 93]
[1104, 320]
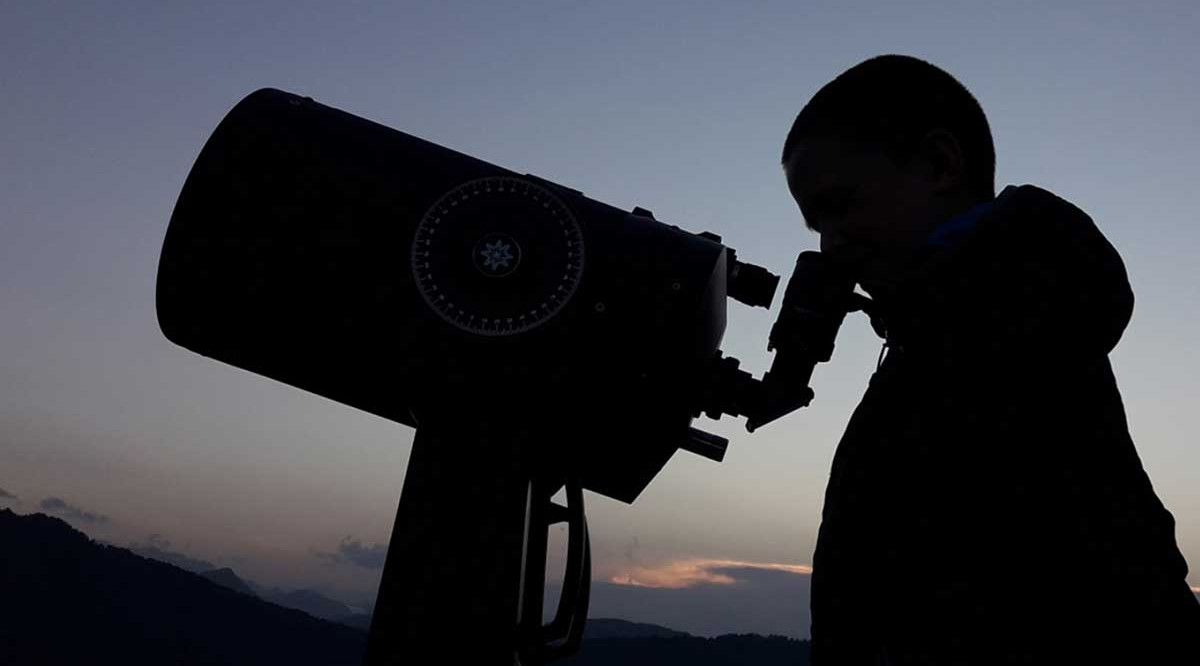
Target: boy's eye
[832, 203]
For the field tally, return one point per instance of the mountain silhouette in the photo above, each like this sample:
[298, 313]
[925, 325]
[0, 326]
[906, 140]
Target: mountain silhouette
[310, 601]
[692, 651]
[360, 621]
[226, 578]
[70, 600]
[597, 628]
[157, 552]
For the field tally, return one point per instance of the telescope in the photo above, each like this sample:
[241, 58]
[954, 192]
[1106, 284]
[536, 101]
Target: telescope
[535, 338]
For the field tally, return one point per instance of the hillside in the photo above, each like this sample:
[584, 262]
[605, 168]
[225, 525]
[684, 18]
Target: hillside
[686, 650]
[70, 600]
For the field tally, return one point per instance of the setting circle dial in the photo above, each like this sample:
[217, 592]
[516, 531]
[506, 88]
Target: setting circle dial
[497, 256]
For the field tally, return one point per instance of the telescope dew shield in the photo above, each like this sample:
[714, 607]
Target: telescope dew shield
[414, 282]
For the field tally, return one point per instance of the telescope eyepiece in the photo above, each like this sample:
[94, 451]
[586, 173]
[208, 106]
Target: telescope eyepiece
[746, 283]
[753, 285]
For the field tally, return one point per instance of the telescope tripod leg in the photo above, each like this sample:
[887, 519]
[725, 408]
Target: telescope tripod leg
[452, 583]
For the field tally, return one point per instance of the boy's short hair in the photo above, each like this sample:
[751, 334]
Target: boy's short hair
[891, 102]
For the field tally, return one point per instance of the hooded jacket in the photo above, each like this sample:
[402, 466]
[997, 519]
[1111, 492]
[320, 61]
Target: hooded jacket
[986, 502]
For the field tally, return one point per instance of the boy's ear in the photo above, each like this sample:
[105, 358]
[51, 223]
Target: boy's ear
[944, 156]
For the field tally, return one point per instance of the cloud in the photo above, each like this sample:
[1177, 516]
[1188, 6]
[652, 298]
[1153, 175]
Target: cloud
[696, 571]
[59, 507]
[762, 599]
[353, 551]
[5, 495]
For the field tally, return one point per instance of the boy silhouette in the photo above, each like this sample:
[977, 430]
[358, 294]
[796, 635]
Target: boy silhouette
[986, 503]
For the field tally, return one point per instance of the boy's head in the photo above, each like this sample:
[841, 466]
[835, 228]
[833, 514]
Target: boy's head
[880, 156]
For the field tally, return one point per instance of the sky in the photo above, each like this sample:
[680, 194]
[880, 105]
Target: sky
[677, 107]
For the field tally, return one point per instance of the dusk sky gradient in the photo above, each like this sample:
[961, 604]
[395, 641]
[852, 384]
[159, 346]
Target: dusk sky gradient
[678, 107]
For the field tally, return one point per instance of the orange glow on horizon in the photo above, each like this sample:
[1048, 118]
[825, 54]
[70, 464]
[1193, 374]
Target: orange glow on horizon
[696, 571]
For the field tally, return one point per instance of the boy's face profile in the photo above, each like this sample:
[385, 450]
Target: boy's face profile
[871, 211]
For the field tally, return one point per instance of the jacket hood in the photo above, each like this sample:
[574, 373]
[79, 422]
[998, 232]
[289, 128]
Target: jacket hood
[1028, 272]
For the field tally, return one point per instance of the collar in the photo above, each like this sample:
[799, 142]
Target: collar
[950, 232]
[895, 321]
